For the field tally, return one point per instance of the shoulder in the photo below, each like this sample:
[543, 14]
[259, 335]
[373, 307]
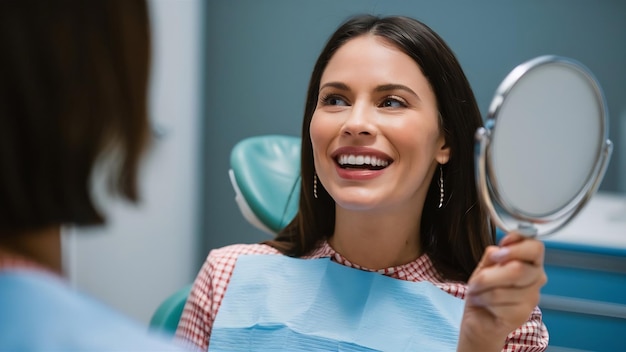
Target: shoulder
[221, 261]
[209, 288]
[46, 314]
[235, 250]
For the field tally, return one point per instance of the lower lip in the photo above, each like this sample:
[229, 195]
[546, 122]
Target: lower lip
[358, 174]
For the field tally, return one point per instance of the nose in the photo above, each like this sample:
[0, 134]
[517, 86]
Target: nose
[359, 122]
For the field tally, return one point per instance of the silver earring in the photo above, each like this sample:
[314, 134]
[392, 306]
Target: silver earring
[440, 186]
[315, 185]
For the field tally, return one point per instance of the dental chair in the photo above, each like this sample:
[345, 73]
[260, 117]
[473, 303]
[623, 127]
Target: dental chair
[264, 172]
[165, 318]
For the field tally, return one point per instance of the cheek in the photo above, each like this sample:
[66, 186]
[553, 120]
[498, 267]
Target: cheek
[316, 135]
[320, 132]
[419, 139]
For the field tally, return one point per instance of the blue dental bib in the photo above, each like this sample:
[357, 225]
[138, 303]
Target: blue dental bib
[278, 303]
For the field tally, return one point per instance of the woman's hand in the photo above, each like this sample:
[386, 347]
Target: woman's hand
[502, 292]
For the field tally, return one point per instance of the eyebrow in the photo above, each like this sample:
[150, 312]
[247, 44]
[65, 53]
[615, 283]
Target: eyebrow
[382, 88]
[338, 85]
[388, 87]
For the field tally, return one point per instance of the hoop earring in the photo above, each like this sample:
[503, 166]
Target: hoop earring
[315, 185]
[440, 186]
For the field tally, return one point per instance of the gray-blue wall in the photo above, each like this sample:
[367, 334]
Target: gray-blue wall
[259, 54]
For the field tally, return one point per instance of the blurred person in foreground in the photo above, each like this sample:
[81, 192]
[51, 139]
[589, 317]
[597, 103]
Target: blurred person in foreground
[73, 92]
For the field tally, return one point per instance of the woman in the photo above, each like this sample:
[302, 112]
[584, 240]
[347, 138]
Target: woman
[73, 91]
[388, 186]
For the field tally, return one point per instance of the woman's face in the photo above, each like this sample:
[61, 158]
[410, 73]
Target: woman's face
[375, 131]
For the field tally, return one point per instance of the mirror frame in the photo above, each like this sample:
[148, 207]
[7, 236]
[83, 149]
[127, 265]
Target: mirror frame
[529, 224]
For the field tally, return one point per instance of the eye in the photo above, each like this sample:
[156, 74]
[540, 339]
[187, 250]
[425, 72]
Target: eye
[392, 102]
[333, 100]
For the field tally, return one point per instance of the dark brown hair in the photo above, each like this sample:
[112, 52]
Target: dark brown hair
[455, 236]
[73, 88]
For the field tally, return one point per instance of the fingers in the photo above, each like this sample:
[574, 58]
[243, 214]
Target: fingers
[517, 263]
[503, 308]
[505, 287]
[521, 248]
[507, 296]
[513, 274]
[487, 259]
[517, 247]
[512, 237]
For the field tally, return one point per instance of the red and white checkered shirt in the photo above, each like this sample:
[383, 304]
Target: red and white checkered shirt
[210, 285]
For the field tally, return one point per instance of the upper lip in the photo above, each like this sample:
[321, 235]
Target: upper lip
[360, 156]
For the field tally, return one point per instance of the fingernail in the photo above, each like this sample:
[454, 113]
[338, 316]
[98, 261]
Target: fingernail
[500, 254]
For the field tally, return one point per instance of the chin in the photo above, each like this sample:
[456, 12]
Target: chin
[357, 202]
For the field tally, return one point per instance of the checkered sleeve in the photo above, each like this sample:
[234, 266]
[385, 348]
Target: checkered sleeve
[194, 327]
[530, 337]
[207, 292]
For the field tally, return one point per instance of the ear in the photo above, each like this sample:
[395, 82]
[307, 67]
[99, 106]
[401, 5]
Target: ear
[443, 155]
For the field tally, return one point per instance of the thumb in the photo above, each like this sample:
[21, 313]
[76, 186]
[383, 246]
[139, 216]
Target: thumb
[510, 238]
[474, 283]
[488, 258]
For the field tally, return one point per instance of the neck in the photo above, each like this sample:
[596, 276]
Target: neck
[41, 246]
[376, 242]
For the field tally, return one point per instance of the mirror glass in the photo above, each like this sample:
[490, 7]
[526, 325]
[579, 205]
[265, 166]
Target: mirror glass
[544, 148]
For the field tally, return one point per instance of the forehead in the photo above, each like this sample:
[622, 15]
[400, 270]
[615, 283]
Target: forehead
[372, 57]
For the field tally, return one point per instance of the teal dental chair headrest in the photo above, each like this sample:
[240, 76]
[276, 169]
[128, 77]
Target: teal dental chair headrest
[265, 174]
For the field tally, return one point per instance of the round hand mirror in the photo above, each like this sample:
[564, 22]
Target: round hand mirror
[544, 148]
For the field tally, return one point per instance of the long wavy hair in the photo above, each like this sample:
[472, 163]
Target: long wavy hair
[454, 236]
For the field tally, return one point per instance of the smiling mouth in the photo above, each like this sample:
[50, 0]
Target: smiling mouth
[362, 162]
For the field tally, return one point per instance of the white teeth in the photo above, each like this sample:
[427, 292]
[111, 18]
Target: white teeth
[361, 160]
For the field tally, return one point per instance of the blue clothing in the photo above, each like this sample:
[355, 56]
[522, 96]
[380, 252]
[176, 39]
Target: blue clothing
[279, 303]
[40, 312]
